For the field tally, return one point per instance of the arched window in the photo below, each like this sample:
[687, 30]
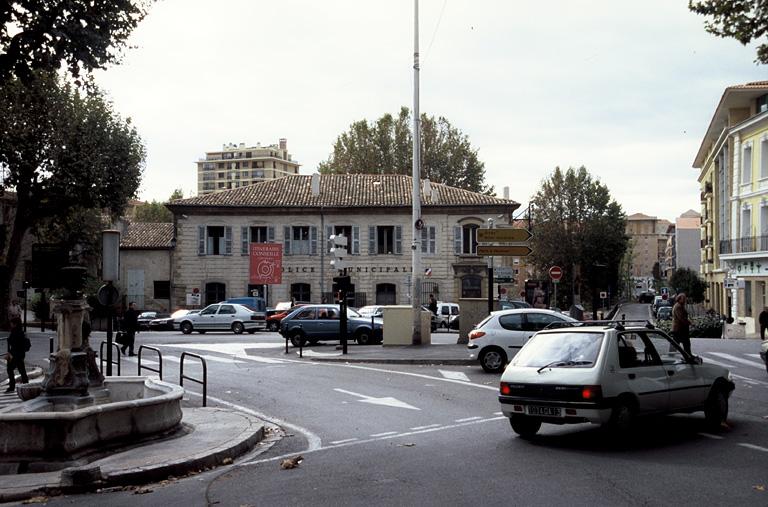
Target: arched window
[471, 286]
[386, 294]
[300, 292]
[215, 292]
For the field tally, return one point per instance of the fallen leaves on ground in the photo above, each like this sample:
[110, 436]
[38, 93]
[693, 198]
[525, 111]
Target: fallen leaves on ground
[759, 487]
[226, 461]
[289, 463]
[36, 499]
[142, 491]
[409, 444]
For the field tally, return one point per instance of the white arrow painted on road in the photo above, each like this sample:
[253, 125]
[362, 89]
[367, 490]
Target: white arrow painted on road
[455, 375]
[387, 401]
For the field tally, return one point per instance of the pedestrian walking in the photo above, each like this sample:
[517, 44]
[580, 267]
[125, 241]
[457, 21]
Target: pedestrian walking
[432, 304]
[763, 319]
[130, 325]
[18, 345]
[681, 325]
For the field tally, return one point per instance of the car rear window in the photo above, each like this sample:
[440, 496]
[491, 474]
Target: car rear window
[512, 322]
[566, 349]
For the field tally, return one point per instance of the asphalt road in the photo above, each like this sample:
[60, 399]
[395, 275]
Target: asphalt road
[433, 435]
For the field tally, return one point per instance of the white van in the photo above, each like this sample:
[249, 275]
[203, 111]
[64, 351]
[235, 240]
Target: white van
[446, 313]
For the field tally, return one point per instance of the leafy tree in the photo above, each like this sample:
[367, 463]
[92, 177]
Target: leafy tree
[579, 227]
[688, 281]
[156, 211]
[176, 194]
[83, 36]
[62, 151]
[385, 147]
[743, 20]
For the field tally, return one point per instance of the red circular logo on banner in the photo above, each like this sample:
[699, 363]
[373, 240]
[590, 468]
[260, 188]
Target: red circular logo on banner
[555, 273]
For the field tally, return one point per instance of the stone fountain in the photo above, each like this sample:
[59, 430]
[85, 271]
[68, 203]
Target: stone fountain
[76, 412]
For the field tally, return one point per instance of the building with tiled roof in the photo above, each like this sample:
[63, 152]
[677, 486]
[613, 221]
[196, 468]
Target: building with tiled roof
[147, 236]
[297, 214]
[146, 261]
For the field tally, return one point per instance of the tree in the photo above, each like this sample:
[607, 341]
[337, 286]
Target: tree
[743, 20]
[688, 281]
[579, 227]
[62, 151]
[83, 36]
[385, 147]
[156, 211]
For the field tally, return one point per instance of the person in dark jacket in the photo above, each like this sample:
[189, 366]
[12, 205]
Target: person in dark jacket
[763, 319]
[681, 325]
[130, 325]
[17, 349]
[432, 304]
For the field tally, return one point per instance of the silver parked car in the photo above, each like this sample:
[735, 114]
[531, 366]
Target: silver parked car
[223, 317]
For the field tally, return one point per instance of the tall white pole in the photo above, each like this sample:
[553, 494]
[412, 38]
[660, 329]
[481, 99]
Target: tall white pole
[416, 243]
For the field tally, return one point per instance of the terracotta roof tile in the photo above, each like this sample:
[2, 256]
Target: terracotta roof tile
[338, 190]
[147, 235]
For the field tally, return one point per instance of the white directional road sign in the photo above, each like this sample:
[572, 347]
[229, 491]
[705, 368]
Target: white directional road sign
[386, 401]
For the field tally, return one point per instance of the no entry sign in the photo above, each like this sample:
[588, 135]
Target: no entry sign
[555, 273]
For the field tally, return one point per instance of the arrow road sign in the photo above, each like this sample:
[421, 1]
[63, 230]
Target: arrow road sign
[503, 235]
[387, 401]
[504, 250]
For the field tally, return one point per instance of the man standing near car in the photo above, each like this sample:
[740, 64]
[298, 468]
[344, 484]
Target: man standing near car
[432, 304]
[130, 323]
[680, 323]
[763, 319]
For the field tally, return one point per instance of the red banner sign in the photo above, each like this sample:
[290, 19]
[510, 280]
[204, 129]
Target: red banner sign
[266, 263]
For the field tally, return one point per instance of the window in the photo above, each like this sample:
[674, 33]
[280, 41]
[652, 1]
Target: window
[538, 321]
[227, 310]
[220, 165]
[386, 294]
[214, 240]
[214, 292]
[162, 289]
[762, 103]
[245, 165]
[256, 234]
[220, 185]
[746, 165]
[471, 286]
[764, 158]
[385, 240]
[351, 232]
[428, 241]
[257, 173]
[746, 222]
[300, 292]
[300, 240]
[465, 239]
[512, 322]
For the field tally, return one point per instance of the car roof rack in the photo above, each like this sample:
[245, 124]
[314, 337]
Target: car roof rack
[619, 325]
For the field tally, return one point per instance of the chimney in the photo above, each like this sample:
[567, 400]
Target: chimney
[506, 193]
[315, 182]
[283, 143]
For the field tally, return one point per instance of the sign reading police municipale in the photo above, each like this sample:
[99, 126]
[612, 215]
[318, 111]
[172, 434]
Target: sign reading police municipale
[266, 263]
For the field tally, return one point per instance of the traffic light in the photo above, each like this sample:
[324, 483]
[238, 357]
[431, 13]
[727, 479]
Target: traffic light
[342, 283]
[338, 251]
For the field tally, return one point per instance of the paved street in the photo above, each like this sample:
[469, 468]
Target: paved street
[426, 434]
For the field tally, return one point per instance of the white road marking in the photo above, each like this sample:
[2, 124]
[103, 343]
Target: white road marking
[236, 350]
[498, 413]
[387, 401]
[750, 380]
[755, 447]
[337, 442]
[756, 356]
[709, 435]
[417, 428]
[376, 435]
[455, 375]
[312, 353]
[738, 360]
[718, 363]
[471, 418]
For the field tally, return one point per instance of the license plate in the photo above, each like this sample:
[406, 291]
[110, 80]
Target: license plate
[544, 411]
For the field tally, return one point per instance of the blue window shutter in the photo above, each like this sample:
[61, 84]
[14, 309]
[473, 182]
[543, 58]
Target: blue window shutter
[313, 240]
[457, 240]
[228, 240]
[286, 240]
[398, 239]
[424, 240]
[200, 240]
[371, 240]
[271, 234]
[244, 240]
[433, 240]
[328, 233]
[355, 240]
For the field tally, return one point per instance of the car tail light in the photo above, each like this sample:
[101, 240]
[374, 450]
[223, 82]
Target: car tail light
[504, 388]
[476, 334]
[591, 393]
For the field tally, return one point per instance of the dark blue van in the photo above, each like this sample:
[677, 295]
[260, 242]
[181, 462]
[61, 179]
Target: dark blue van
[256, 304]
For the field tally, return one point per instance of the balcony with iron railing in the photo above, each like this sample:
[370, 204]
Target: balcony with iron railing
[746, 244]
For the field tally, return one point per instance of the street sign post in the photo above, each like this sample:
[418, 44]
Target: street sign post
[555, 273]
[503, 274]
[503, 235]
[504, 250]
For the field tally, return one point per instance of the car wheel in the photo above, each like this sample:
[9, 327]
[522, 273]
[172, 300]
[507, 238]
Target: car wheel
[493, 360]
[298, 339]
[622, 417]
[186, 327]
[363, 337]
[273, 326]
[716, 408]
[237, 327]
[525, 426]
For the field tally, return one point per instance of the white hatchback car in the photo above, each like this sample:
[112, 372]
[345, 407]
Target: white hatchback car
[608, 374]
[498, 338]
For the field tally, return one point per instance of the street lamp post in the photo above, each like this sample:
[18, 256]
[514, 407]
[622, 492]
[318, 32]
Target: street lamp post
[416, 189]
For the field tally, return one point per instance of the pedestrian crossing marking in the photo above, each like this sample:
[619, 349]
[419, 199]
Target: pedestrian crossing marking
[454, 375]
[236, 350]
[735, 359]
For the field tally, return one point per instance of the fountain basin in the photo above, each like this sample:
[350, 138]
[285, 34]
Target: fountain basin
[60, 427]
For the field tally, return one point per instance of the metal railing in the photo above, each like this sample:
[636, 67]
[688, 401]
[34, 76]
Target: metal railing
[159, 369]
[204, 381]
[745, 244]
[102, 357]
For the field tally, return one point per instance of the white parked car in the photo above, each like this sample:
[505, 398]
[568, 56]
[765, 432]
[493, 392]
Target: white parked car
[223, 317]
[446, 314]
[608, 374]
[498, 338]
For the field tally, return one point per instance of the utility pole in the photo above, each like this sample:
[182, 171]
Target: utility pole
[416, 176]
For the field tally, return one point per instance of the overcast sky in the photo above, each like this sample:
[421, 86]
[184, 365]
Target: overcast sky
[625, 88]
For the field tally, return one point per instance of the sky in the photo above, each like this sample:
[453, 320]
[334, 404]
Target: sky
[624, 88]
